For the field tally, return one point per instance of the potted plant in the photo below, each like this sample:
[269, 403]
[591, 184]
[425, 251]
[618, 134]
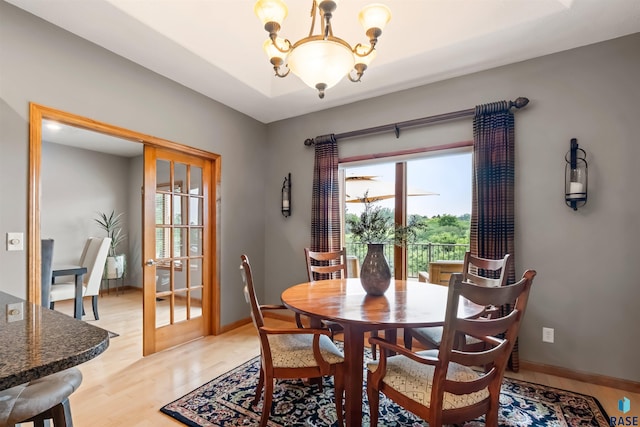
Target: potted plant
[112, 225]
[376, 229]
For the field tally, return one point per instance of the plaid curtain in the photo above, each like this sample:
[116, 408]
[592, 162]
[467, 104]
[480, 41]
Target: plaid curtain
[325, 204]
[492, 208]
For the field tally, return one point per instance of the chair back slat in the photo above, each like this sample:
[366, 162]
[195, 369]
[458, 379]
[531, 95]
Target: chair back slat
[486, 272]
[484, 327]
[466, 387]
[496, 296]
[326, 265]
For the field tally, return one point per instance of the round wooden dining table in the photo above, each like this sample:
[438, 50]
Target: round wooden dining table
[406, 304]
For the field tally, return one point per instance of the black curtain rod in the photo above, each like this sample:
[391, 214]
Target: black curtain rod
[424, 121]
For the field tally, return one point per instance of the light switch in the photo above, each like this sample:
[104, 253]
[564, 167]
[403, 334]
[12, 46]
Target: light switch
[15, 312]
[15, 241]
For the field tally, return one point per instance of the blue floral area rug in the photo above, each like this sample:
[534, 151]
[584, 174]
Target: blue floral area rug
[226, 401]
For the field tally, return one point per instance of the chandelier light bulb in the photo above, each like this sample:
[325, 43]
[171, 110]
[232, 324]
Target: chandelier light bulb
[271, 11]
[272, 51]
[374, 16]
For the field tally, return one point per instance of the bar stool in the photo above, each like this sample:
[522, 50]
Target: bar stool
[39, 400]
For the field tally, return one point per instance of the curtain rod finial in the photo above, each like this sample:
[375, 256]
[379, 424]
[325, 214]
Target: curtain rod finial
[520, 102]
[309, 142]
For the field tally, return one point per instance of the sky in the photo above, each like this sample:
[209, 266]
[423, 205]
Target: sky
[449, 176]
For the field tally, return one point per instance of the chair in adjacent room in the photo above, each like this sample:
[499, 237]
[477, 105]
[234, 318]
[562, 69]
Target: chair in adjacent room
[444, 386]
[482, 272]
[46, 270]
[45, 398]
[93, 258]
[290, 352]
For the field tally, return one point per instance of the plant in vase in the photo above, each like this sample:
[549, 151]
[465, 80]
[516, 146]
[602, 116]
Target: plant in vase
[112, 225]
[375, 229]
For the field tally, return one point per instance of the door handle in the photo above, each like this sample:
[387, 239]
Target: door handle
[150, 262]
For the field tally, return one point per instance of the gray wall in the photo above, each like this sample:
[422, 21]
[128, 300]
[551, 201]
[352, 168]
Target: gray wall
[44, 64]
[587, 287]
[76, 185]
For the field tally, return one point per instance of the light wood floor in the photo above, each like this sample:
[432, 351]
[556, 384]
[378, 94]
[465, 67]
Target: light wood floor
[121, 388]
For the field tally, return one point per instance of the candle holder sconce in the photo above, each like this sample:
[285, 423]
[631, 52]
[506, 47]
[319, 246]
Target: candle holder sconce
[576, 176]
[286, 196]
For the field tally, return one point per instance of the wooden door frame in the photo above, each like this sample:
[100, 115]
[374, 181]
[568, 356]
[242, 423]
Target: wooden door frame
[39, 112]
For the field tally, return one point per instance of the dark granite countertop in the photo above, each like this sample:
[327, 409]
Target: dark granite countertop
[43, 342]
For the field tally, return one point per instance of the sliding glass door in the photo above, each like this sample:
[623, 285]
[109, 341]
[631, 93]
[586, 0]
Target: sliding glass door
[424, 202]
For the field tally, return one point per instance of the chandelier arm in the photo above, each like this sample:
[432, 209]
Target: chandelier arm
[275, 44]
[354, 80]
[362, 55]
[314, 7]
[279, 74]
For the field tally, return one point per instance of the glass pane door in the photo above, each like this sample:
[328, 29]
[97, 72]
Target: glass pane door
[175, 298]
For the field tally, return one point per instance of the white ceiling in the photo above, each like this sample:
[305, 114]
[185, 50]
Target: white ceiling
[215, 46]
[72, 136]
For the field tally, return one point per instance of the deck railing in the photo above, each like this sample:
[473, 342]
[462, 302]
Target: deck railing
[419, 255]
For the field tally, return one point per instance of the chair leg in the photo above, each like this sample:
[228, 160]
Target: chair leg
[61, 414]
[266, 403]
[94, 302]
[258, 388]
[491, 416]
[408, 339]
[338, 379]
[374, 402]
[374, 347]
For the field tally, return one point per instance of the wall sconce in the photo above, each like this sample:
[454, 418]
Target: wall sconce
[576, 176]
[286, 196]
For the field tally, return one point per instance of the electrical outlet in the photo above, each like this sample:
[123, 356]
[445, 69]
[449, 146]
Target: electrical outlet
[547, 335]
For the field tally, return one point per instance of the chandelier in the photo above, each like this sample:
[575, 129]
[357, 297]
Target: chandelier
[320, 60]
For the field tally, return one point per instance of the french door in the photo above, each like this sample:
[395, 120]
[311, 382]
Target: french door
[177, 261]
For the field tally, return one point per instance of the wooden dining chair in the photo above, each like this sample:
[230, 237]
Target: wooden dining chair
[322, 266]
[444, 386]
[481, 271]
[328, 265]
[291, 352]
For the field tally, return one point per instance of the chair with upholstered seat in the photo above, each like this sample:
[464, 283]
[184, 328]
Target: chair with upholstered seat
[41, 399]
[290, 352]
[328, 265]
[93, 258]
[482, 272]
[46, 270]
[321, 266]
[445, 386]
